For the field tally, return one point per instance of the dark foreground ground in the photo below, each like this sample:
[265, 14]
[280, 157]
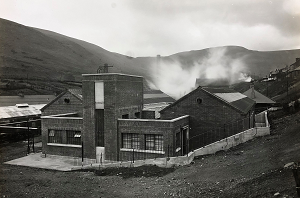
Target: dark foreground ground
[254, 169]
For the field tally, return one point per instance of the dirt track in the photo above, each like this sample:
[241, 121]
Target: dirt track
[254, 169]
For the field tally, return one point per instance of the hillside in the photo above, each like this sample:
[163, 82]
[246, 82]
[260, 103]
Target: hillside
[35, 54]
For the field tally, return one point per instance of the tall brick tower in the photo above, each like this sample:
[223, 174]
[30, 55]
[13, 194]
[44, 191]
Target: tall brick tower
[107, 97]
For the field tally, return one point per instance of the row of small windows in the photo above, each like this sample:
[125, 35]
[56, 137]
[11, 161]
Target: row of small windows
[71, 137]
[152, 141]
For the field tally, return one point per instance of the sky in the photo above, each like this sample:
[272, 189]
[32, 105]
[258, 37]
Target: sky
[151, 27]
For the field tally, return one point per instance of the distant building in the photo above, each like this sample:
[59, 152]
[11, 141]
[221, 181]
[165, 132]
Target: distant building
[20, 118]
[25, 99]
[262, 101]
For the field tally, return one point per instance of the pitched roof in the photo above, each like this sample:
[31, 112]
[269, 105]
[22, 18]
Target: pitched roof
[75, 92]
[235, 99]
[259, 98]
[231, 97]
[28, 99]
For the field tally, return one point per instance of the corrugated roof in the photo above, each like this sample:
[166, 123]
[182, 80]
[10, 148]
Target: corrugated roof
[232, 97]
[14, 111]
[259, 98]
[29, 99]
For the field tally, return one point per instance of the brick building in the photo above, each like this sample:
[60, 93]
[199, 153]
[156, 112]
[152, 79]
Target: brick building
[107, 121]
[212, 110]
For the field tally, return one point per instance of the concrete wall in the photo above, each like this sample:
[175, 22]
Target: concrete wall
[232, 141]
[60, 123]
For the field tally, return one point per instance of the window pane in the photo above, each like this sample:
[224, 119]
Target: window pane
[126, 140]
[73, 137]
[135, 141]
[154, 142]
[150, 142]
[131, 140]
[159, 142]
[55, 136]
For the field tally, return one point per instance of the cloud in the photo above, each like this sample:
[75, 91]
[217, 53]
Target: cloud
[151, 27]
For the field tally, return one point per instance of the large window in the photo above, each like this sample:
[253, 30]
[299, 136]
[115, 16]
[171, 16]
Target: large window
[55, 136]
[64, 137]
[131, 140]
[74, 137]
[154, 142]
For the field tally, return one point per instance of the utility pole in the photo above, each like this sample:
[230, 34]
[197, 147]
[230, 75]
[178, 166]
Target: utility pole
[28, 137]
[287, 81]
[267, 86]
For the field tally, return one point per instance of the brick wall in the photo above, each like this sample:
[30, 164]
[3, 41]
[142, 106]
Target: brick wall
[60, 124]
[61, 107]
[166, 128]
[123, 94]
[211, 113]
[148, 114]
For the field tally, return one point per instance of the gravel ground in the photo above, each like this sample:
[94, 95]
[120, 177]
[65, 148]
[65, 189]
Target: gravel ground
[253, 169]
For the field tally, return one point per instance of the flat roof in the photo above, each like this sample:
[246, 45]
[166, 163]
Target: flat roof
[106, 74]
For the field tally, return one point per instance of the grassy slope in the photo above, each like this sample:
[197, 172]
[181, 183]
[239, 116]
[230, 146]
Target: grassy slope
[42, 54]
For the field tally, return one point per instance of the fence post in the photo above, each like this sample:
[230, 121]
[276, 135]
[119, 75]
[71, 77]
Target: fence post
[297, 179]
[28, 137]
[81, 153]
[168, 150]
[133, 155]
[101, 159]
[33, 143]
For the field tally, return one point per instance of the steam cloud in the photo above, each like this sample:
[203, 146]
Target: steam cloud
[177, 80]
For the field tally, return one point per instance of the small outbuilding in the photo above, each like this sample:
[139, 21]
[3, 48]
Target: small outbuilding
[262, 102]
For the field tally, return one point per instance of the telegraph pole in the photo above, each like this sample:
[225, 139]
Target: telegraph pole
[28, 137]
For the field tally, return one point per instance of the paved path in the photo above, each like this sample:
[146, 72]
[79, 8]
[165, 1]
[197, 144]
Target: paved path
[55, 163]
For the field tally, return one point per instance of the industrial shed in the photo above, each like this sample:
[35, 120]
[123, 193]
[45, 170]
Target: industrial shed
[213, 110]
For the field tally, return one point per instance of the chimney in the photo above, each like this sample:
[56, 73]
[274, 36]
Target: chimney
[252, 89]
[157, 66]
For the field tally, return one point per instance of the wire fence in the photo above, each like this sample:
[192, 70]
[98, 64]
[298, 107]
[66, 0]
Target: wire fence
[220, 132]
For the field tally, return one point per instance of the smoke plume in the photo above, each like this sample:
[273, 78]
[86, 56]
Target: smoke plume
[177, 79]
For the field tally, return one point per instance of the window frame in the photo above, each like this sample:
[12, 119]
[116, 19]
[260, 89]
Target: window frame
[131, 141]
[55, 136]
[154, 142]
[73, 137]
